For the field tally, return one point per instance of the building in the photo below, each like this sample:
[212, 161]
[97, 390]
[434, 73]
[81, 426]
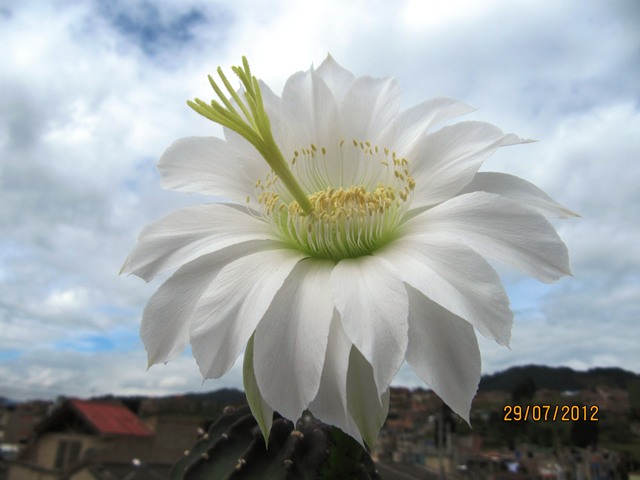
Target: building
[84, 436]
[18, 419]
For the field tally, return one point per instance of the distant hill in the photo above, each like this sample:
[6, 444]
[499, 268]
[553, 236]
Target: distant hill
[224, 396]
[556, 378]
[552, 378]
[183, 402]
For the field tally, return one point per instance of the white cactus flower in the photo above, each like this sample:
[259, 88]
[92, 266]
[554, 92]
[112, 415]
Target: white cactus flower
[355, 239]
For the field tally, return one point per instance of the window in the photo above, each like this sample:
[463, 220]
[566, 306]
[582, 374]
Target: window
[68, 452]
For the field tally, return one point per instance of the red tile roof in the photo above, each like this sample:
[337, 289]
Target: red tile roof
[111, 418]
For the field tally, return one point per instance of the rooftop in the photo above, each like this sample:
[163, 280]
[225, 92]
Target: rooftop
[105, 418]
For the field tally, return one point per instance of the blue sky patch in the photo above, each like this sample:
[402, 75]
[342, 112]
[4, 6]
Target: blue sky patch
[123, 340]
[153, 29]
[8, 355]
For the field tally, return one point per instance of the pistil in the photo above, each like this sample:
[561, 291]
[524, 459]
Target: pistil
[253, 124]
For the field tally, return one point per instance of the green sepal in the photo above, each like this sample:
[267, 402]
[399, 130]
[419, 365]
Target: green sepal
[367, 408]
[262, 412]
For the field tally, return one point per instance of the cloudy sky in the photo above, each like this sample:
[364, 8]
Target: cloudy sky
[92, 92]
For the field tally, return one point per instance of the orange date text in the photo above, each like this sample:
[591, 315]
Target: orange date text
[550, 413]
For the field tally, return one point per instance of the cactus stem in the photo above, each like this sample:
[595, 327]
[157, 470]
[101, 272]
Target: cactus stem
[234, 449]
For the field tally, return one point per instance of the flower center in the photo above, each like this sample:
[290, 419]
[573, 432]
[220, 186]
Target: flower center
[346, 220]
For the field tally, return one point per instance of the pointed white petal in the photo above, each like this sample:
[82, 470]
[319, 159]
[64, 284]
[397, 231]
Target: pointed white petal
[167, 316]
[411, 125]
[373, 306]
[367, 406]
[447, 160]
[457, 278]
[338, 79]
[189, 233]
[230, 309]
[330, 405]
[204, 165]
[498, 229]
[520, 191]
[443, 351]
[291, 339]
[369, 107]
[260, 409]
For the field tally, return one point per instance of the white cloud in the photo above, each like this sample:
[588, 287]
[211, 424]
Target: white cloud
[92, 93]
[43, 374]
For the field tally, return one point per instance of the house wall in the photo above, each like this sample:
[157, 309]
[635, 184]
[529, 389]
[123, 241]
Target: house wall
[173, 435]
[46, 449]
[23, 472]
[83, 474]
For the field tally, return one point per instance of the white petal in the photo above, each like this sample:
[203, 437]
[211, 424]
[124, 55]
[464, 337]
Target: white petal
[248, 161]
[331, 405]
[189, 233]
[230, 309]
[369, 107]
[260, 409]
[311, 110]
[520, 191]
[443, 351]
[279, 127]
[167, 316]
[312, 118]
[204, 165]
[367, 406]
[455, 277]
[447, 160]
[498, 229]
[291, 339]
[338, 79]
[411, 125]
[373, 306]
